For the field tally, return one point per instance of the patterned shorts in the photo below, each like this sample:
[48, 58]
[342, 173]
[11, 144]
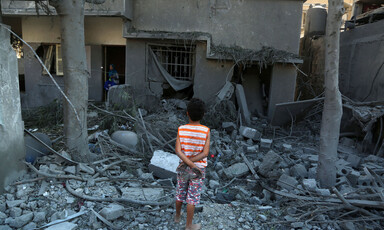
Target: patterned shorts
[189, 187]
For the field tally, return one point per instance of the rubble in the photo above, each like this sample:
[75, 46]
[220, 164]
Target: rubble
[253, 167]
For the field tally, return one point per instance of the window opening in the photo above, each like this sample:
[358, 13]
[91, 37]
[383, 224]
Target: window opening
[53, 59]
[178, 61]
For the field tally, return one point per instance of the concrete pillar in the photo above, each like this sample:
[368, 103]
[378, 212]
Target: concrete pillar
[12, 149]
[282, 87]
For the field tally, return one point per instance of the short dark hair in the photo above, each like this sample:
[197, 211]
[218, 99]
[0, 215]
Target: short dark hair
[196, 109]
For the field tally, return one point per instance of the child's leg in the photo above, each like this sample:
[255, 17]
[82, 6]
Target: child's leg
[190, 213]
[178, 211]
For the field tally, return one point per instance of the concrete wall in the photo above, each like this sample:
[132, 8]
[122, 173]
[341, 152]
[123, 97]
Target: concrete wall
[39, 88]
[361, 62]
[97, 30]
[12, 149]
[209, 76]
[247, 23]
[109, 7]
[282, 86]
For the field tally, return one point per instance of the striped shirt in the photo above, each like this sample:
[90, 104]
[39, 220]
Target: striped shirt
[192, 140]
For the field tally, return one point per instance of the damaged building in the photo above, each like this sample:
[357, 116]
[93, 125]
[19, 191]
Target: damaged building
[40, 27]
[195, 48]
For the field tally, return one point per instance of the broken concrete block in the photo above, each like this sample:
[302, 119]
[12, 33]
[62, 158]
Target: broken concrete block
[353, 177]
[354, 160]
[63, 226]
[15, 212]
[20, 221]
[236, 170]
[39, 217]
[299, 171]
[164, 164]
[2, 206]
[347, 141]
[112, 211]
[287, 182]
[151, 194]
[265, 143]
[226, 92]
[242, 102]
[229, 126]
[126, 138]
[343, 170]
[364, 181]
[253, 149]
[310, 184]
[249, 133]
[312, 172]
[341, 180]
[287, 147]
[70, 169]
[270, 167]
[34, 148]
[14, 203]
[30, 226]
[5, 227]
[214, 184]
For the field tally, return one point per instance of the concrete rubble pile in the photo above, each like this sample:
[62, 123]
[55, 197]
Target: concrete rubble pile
[259, 177]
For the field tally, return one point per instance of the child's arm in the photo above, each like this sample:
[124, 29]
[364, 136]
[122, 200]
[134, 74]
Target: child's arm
[205, 151]
[182, 156]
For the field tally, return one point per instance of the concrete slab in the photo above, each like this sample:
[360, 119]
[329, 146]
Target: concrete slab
[284, 112]
[242, 102]
[164, 164]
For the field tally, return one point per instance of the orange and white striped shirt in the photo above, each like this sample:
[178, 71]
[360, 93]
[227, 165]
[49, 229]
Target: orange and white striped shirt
[192, 140]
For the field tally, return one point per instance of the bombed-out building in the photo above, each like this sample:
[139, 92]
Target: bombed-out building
[185, 48]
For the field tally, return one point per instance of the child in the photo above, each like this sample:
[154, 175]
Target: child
[192, 146]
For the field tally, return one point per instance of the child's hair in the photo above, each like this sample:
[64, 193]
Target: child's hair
[196, 109]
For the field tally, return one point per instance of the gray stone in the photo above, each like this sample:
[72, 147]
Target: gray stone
[228, 126]
[14, 203]
[265, 143]
[354, 160]
[39, 217]
[20, 221]
[15, 212]
[287, 182]
[255, 200]
[249, 133]
[126, 138]
[270, 167]
[70, 169]
[151, 194]
[63, 226]
[214, 184]
[312, 172]
[348, 226]
[214, 175]
[323, 192]
[299, 171]
[5, 227]
[353, 177]
[297, 225]
[287, 147]
[30, 226]
[343, 170]
[236, 170]
[2, 206]
[112, 211]
[3, 215]
[253, 149]
[310, 184]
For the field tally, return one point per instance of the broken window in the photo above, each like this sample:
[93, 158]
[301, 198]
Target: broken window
[52, 59]
[177, 60]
